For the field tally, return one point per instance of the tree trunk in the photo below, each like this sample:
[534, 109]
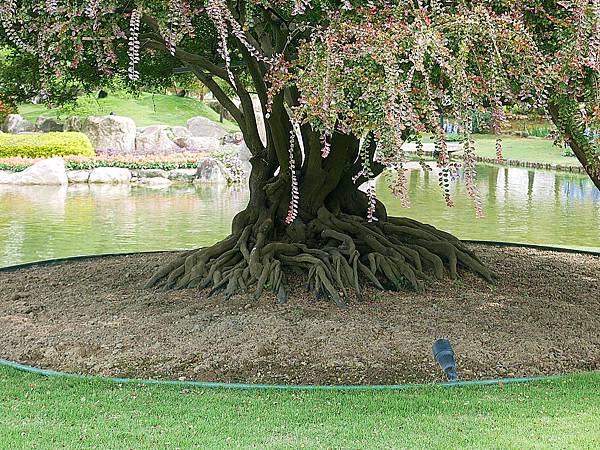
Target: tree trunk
[330, 242]
[564, 117]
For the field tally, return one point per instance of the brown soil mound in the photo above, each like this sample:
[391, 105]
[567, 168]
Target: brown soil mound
[93, 316]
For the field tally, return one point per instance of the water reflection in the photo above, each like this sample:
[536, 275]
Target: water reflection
[45, 222]
[520, 205]
[48, 222]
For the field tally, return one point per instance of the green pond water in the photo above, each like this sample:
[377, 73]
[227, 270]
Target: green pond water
[520, 205]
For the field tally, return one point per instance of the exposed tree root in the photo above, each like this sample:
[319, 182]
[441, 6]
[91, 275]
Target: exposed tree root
[336, 252]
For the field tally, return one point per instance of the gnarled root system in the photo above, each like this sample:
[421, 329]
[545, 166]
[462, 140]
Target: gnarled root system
[336, 253]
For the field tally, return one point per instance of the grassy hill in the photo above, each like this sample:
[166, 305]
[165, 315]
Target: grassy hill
[147, 109]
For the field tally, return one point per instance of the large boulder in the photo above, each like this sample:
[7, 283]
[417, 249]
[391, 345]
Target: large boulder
[48, 125]
[203, 127]
[78, 176]
[244, 155]
[15, 123]
[182, 175]
[179, 132]
[111, 175]
[212, 170]
[216, 106]
[150, 173]
[154, 139]
[73, 123]
[49, 171]
[111, 133]
[198, 144]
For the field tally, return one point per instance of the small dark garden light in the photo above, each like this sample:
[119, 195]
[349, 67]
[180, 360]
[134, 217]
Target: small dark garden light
[444, 355]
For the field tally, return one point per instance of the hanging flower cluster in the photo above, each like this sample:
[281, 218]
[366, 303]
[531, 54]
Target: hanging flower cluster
[295, 193]
[134, 44]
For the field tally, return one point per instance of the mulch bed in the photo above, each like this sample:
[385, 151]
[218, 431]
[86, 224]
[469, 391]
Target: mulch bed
[93, 316]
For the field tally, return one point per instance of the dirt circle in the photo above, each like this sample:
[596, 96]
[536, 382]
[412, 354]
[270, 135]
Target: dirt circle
[93, 316]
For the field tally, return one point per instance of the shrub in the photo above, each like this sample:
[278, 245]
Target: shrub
[45, 145]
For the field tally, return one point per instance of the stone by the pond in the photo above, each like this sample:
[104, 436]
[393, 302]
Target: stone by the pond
[48, 125]
[198, 144]
[154, 182]
[203, 127]
[78, 176]
[15, 123]
[154, 139]
[73, 123]
[114, 133]
[113, 175]
[211, 170]
[149, 173]
[49, 171]
[178, 132]
[186, 175]
[244, 155]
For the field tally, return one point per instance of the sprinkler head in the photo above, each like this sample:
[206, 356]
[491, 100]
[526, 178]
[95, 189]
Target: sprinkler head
[444, 355]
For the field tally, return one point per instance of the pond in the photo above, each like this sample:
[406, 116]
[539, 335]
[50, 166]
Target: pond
[520, 205]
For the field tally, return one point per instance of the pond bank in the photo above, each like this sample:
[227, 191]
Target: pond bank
[532, 165]
[96, 317]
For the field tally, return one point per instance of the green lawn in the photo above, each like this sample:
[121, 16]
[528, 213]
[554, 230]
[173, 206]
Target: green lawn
[145, 109]
[39, 412]
[531, 149]
[523, 149]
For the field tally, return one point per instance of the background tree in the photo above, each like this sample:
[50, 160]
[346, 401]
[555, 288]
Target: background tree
[342, 84]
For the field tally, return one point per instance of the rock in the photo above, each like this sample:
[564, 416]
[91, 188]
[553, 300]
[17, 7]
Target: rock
[211, 170]
[149, 173]
[49, 171]
[154, 139]
[78, 176]
[5, 176]
[155, 182]
[114, 133]
[73, 123]
[113, 175]
[47, 125]
[216, 107]
[179, 132]
[203, 127]
[198, 144]
[15, 123]
[186, 175]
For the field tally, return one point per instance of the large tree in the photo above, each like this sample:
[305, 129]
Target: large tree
[342, 85]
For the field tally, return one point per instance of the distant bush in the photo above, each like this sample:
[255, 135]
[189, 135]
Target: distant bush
[45, 145]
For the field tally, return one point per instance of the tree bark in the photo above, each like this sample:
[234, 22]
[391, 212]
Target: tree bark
[564, 119]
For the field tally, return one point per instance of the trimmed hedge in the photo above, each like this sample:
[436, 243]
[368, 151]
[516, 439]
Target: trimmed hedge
[45, 145]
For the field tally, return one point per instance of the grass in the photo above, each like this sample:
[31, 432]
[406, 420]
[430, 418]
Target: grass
[530, 149]
[42, 412]
[147, 109]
